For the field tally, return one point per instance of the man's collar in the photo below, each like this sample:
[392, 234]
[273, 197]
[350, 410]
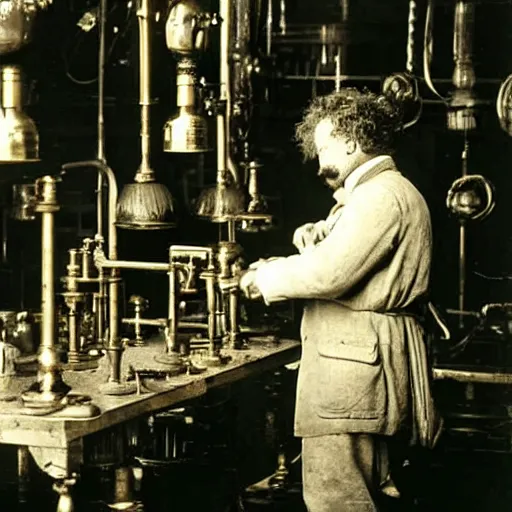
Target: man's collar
[382, 161]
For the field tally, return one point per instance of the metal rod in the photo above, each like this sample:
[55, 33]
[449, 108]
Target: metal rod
[411, 26]
[135, 265]
[337, 80]
[172, 314]
[221, 147]
[462, 271]
[101, 119]
[468, 376]
[463, 29]
[231, 231]
[4, 236]
[23, 473]
[378, 78]
[269, 27]
[462, 242]
[225, 88]
[143, 15]
[234, 324]
[73, 352]
[47, 281]
[162, 322]
[211, 309]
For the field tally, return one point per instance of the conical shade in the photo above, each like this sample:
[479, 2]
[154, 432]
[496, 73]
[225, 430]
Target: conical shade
[220, 203]
[145, 206]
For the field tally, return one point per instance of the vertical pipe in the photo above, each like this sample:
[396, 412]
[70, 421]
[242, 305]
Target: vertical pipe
[210, 307]
[4, 236]
[411, 27]
[23, 473]
[101, 119]
[234, 330]
[225, 89]
[463, 29]
[145, 84]
[337, 80]
[462, 242]
[269, 27]
[47, 284]
[221, 147]
[73, 355]
[231, 231]
[172, 320]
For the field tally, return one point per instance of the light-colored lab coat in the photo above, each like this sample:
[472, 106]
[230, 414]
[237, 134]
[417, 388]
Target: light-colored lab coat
[357, 356]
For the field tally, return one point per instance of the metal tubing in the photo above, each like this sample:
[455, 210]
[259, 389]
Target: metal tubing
[211, 309]
[172, 322]
[143, 16]
[103, 168]
[47, 282]
[462, 243]
[73, 352]
[162, 322]
[223, 133]
[135, 265]
[234, 327]
[101, 119]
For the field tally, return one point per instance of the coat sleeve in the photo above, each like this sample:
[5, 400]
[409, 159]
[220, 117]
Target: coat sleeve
[366, 232]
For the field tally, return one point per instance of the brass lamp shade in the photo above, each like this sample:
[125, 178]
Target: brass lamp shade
[19, 138]
[186, 133]
[220, 203]
[145, 206]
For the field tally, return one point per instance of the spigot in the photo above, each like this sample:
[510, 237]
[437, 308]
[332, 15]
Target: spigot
[86, 256]
[139, 304]
[73, 270]
[99, 241]
[186, 274]
[99, 256]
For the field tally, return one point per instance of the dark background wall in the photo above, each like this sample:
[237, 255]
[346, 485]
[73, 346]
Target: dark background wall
[61, 55]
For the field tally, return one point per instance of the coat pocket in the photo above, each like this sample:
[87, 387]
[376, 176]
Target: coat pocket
[351, 379]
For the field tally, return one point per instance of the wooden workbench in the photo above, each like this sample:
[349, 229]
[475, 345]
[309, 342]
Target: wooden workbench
[55, 440]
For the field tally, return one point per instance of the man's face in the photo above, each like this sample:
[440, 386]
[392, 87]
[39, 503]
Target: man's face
[337, 157]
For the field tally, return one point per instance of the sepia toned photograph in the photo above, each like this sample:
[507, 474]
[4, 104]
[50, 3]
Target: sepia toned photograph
[256, 255]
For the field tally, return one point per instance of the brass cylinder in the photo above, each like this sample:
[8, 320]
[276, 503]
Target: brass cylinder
[47, 284]
[463, 30]
[73, 269]
[185, 83]
[20, 138]
[211, 304]
[145, 83]
[172, 321]
[73, 351]
[12, 87]
[49, 389]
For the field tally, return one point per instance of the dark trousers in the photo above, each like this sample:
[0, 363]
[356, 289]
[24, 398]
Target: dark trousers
[343, 472]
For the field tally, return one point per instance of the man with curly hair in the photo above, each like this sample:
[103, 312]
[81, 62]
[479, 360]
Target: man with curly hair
[361, 271]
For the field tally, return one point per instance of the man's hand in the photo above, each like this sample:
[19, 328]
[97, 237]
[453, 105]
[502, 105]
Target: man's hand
[248, 285]
[310, 234]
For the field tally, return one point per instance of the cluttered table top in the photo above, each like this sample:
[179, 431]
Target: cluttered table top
[59, 428]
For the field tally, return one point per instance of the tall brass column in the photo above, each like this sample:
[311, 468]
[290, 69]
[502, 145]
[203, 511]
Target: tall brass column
[50, 389]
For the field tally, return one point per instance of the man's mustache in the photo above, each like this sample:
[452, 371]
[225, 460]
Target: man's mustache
[328, 172]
